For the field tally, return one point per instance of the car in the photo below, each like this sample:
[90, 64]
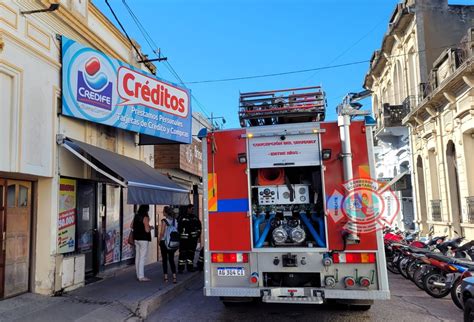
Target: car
[467, 291]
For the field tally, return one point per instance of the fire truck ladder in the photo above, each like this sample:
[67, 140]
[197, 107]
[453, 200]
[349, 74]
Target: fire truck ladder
[293, 105]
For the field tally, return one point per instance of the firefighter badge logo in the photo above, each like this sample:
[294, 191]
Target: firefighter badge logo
[365, 205]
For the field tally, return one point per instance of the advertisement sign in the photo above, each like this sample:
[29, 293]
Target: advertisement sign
[67, 216]
[128, 251]
[284, 151]
[112, 225]
[104, 90]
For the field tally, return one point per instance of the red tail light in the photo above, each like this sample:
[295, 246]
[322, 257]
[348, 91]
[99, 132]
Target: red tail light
[353, 258]
[229, 258]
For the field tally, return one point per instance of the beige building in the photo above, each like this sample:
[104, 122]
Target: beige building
[443, 140]
[401, 77]
[64, 215]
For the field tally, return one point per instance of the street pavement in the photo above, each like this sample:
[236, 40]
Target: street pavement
[407, 303]
[118, 297]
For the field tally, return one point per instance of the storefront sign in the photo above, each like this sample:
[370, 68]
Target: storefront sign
[67, 216]
[104, 90]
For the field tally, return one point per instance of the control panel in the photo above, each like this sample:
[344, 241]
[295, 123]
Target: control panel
[281, 195]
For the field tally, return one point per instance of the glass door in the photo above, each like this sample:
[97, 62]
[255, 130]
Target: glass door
[87, 225]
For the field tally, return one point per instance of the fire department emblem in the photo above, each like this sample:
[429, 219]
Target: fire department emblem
[364, 204]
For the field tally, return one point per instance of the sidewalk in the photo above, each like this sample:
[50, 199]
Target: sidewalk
[117, 298]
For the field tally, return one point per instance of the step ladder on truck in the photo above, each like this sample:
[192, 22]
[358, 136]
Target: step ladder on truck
[272, 229]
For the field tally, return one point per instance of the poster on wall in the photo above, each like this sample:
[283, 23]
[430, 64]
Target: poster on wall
[128, 251]
[105, 90]
[67, 216]
[112, 225]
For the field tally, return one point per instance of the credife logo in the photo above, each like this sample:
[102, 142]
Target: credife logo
[136, 88]
[93, 86]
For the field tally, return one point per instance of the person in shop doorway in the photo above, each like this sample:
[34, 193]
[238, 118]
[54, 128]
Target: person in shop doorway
[189, 227]
[142, 236]
[168, 249]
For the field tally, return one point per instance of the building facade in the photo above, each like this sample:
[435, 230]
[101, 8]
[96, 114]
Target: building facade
[443, 139]
[419, 31]
[66, 195]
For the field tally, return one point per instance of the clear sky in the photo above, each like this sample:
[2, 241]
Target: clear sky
[212, 39]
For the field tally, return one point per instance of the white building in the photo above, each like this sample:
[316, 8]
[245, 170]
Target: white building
[64, 214]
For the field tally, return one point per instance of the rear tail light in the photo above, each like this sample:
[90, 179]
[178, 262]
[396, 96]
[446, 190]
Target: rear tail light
[349, 281]
[229, 258]
[353, 258]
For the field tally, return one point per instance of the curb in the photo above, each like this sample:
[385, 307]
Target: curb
[153, 302]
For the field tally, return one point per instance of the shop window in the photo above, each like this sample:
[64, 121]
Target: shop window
[23, 197]
[11, 196]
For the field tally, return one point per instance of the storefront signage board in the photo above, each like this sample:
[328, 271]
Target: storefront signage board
[105, 90]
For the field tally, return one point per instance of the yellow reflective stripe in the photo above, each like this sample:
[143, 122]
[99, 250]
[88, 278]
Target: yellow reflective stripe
[212, 191]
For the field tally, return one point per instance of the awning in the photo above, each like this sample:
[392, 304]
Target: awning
[145, 184]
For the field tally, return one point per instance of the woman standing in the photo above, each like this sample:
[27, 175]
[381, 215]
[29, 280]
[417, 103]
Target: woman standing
[169, 223]
[142, 236]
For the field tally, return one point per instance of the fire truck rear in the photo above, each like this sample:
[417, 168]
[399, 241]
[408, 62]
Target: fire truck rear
[271, 227]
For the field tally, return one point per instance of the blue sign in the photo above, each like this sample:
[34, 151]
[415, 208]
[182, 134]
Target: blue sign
[104, 90]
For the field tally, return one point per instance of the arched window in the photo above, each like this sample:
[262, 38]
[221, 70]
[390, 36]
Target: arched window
[399, 81]
[453, 181]
[420, 174]
[412, 73]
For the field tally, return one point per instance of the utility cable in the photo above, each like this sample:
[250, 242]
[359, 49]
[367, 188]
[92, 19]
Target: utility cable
[349, 48]
[313, 69]
[126, 34]
[153, 46]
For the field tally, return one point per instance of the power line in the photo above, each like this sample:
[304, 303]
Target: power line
[153, 46]
[278, 74]
[350, 47]
[312, 69]
[126, 34]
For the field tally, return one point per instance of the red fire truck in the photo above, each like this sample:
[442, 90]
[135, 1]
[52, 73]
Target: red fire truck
[267, 229]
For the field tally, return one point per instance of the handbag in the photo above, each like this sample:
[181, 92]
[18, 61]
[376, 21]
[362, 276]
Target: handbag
[131, 240]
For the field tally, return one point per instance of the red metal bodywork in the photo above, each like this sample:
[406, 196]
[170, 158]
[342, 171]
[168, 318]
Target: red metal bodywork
[230, 231]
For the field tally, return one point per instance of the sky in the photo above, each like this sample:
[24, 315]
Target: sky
[212, 39]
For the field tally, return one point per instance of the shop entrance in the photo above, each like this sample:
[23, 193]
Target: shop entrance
[15, 225]
[87, 235]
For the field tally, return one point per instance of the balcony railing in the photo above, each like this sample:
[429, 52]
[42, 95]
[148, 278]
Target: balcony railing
[447, 63]
[394, 114]
[470, 209]
[436, 210]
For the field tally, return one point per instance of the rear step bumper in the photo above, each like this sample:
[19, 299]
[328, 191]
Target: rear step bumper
[293, 299]
[270, 294]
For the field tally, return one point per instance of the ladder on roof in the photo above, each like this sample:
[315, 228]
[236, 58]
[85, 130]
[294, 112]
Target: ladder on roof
[293, 105]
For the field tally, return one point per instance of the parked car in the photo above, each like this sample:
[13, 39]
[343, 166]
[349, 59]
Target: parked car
[467, 289]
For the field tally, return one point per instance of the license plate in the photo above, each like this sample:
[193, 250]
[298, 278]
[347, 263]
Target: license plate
[230, 271]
